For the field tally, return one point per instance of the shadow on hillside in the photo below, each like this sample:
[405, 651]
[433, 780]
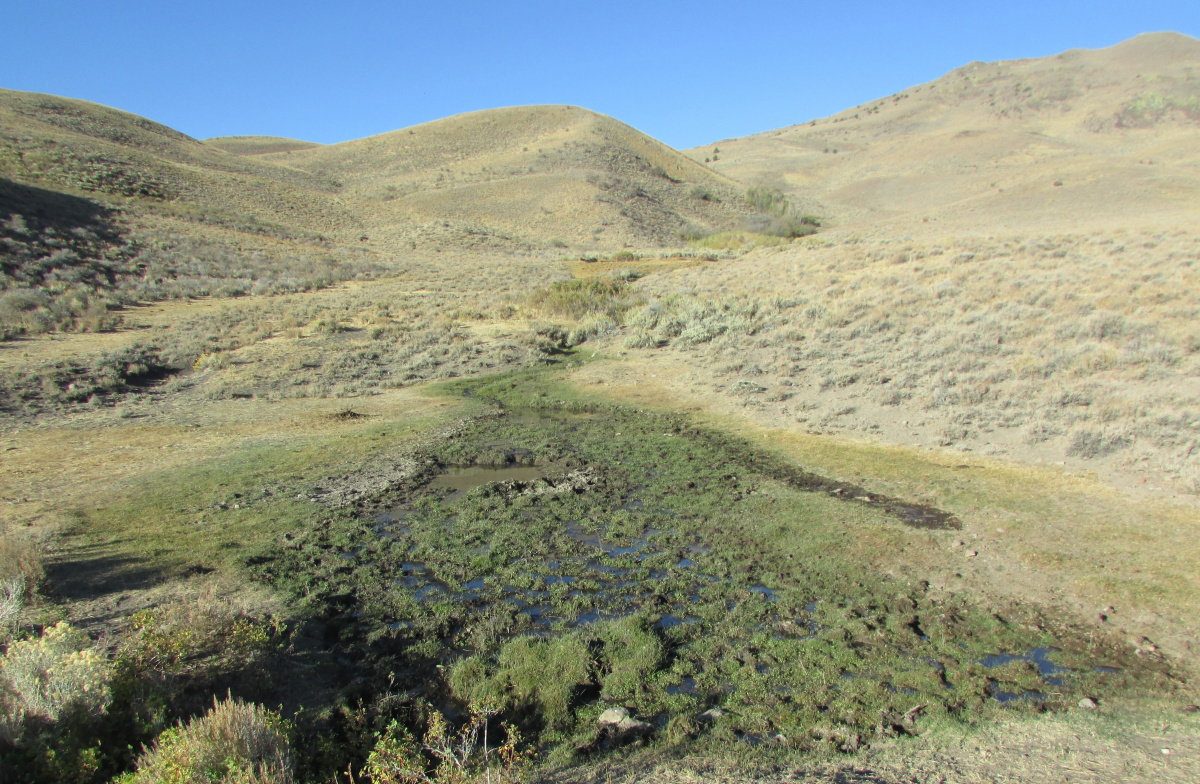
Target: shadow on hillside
[60, 211]
[46, 235]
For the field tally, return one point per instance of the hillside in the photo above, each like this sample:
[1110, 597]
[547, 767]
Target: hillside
[525, 179]
[1083, 138]
[258, 145]
[537, 174]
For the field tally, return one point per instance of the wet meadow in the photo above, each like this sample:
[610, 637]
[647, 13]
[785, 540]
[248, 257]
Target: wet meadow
[557, 556]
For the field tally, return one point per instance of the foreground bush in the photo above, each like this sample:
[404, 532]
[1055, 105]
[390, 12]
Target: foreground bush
[57, 674]
[53, 690]
[235, 742]
[448, 755]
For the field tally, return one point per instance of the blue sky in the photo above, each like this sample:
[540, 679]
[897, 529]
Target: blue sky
[687, 73]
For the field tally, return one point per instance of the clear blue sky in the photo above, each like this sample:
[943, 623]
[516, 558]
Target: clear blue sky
[687, 73]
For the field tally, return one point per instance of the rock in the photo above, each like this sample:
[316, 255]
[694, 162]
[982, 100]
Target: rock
[631, 726]
[617, 726]
[613, 716]
[1087, 703]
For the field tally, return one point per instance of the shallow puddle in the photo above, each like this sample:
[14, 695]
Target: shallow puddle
[462, 479]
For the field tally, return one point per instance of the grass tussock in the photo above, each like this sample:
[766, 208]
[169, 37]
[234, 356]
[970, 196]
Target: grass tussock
[580, 299]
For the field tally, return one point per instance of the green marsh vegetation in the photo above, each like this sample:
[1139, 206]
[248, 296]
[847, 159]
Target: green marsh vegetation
[662, 569]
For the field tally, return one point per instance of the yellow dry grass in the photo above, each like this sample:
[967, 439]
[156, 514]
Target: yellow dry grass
[1082, 140]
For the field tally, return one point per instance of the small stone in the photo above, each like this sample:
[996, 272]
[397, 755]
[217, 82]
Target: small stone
[1087, 703]
[613, 716]
[633, 726]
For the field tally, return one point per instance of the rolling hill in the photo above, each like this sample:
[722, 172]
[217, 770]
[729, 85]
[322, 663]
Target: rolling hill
[522, 179]
[533, 174]
[1081, 139]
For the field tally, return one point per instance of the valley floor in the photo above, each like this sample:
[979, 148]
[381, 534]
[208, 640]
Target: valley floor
[1055, 421]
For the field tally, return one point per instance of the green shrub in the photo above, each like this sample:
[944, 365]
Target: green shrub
[589, 328]
[641, 339]
[739, 240]
[235, 742]
[777, 216]
[396, 758]
[659, 171]
[578, 299]
[767, 199]
[57, 674]
[785, 224]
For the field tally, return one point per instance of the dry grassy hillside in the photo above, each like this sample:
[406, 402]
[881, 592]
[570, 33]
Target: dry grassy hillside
[157, 173]
[1082, 139]
[538, 175]
[512, 180]
[249, 146]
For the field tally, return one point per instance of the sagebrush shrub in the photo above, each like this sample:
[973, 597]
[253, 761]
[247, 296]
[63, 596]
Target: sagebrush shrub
[234, 743]
[58, 673]
[12, 601]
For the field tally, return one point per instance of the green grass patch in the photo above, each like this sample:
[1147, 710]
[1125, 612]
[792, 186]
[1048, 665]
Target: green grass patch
[208, 514]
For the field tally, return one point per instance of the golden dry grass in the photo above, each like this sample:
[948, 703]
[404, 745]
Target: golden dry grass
[1082, 140]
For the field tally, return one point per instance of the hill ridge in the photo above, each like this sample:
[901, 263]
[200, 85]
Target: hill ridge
[1116, 129]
